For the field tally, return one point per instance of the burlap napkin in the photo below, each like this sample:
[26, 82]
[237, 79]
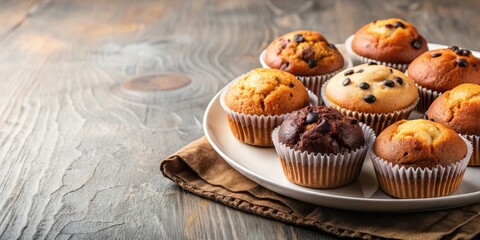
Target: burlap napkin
[197, 168]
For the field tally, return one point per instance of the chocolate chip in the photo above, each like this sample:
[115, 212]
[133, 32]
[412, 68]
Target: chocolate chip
[360, 71]
[372, 63]
[453, 48]
[434, 55]
[307, 53]
[349, 72]
[346, 81]
[389, 26]
[458, 51]
[462, 62]
[299, 38]
[291, 85]
[416, 43]
[312, 117]
[354, 121]
[465, 52]
[391, 70]
[369, 98]
[399, 80]
[332, 46]
[284, 65]
[323, 127]
[312, 63]
[389, 83]
[364, 85]
[399, 24]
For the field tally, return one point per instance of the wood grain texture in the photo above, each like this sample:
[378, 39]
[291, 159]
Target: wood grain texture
[79, 151]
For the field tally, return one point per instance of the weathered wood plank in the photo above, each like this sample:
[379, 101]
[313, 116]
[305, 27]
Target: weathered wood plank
[80, 147]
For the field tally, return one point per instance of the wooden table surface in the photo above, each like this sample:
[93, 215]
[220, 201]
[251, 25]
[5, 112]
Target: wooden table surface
[95, 93]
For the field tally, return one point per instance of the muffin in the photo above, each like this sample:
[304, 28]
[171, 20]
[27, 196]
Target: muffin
[391, 42]
[307, 55]
[459, 109]
[320, 148]
[419, 159]
[440, 70]
[374, 94]
[257, 102]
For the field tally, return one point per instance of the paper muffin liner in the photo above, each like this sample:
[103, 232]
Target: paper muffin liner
[378, 121]
[255, 129]
[314, 83]
[322, 170]
[416, 182]
[475, 159]
[357, 59]
[427, 96]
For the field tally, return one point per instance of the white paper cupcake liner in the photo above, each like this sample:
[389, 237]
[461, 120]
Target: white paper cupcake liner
[255, 129]
[475, 159]
[378, 121]
[314, 83]
[411, 182]
[427, 96]
[322, 170]
[357, 59]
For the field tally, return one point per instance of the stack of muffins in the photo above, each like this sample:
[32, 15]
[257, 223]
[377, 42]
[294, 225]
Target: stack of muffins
[321, 147]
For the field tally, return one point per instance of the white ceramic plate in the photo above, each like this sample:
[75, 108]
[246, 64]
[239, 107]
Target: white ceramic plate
[263, 166]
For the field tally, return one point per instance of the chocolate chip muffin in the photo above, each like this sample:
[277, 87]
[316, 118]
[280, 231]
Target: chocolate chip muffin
[440, 70]
[321, 130]
[419, 159]
[320, 148]
[389, 41]
[303, 53]
[459, 109]
[374, 94]
[257, 102]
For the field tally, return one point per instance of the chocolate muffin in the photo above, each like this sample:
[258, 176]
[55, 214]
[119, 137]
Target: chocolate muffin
[419, 159]
[303, 53]
[389, 41]
[321, 130]
[320, 148]
[441, 70]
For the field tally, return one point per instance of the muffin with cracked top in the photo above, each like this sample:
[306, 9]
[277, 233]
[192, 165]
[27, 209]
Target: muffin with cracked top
[374, 94]
[257, 102]
[305, 54]
[320, 148]
[392, 42]
[459, 109]
[419, 159]
[441, 70]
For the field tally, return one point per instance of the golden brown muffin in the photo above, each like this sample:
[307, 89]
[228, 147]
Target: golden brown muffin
[265, 91]
[420, 143]
[443, 69]
[371, 89]
[391, 40]
[459, 109]
[303, 53]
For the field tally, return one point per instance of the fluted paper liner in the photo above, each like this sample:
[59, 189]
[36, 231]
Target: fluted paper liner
[357, 59]
[475, 159]
[322, 170]
[255, 129]
[313, 83]
[378, 121]
[427, 96]
[411, 182]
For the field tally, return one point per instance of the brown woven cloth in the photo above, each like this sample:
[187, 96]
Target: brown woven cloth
[197, 168]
